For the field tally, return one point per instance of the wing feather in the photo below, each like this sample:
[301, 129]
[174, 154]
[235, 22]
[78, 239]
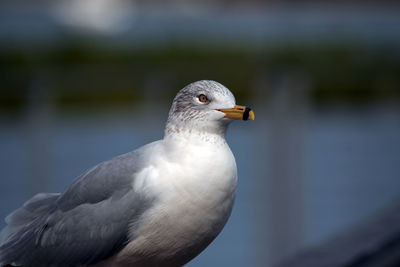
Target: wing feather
[89, 222]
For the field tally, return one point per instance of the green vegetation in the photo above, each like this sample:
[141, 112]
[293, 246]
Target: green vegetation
[80, 74]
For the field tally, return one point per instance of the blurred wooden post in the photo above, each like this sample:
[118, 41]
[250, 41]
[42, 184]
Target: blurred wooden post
[280, 177]
[38, 113]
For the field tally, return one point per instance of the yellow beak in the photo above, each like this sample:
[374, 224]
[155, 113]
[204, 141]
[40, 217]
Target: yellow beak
[238, 113]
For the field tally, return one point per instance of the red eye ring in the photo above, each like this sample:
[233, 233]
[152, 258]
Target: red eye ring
[202, 98]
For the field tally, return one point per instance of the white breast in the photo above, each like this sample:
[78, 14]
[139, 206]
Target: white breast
[195, 183]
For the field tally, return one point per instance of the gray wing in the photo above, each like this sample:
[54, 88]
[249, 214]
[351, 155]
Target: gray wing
[84, 225]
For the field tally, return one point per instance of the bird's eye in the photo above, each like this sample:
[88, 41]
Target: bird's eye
[202, 98]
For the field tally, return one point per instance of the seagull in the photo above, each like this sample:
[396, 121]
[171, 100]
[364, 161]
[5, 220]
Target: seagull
[159, 205]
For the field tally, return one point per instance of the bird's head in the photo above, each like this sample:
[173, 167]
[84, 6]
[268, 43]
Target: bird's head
[205, 106]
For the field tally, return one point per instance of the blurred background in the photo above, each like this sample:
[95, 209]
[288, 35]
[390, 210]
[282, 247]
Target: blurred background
[85, 80]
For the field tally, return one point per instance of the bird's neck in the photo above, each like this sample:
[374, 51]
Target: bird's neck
[196, 131]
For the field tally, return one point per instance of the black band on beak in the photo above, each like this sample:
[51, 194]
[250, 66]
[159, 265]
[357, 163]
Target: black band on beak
[246, 113]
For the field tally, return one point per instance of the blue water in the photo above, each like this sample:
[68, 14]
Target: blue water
[350, 165]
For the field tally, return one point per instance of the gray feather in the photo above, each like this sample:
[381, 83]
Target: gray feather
[84, 225]
[32, 209]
